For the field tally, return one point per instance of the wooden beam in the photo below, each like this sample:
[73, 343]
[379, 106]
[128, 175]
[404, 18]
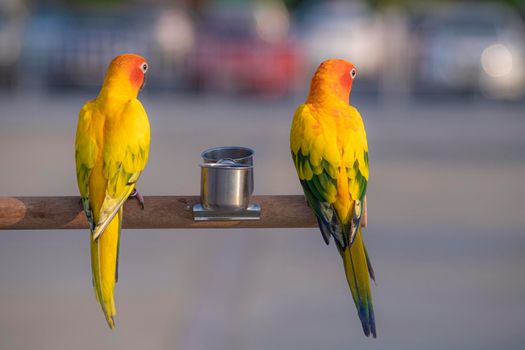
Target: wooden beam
[52, 213]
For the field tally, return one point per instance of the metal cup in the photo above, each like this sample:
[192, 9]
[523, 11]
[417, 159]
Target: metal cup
[239, 155]
[225, 185]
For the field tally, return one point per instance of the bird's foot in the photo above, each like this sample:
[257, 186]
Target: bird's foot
[138, 196]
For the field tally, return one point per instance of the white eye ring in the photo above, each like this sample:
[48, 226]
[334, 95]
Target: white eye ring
[144, 67]
[353, 73]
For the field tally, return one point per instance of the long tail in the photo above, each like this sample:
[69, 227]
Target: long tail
[357, 271]
[104, 262]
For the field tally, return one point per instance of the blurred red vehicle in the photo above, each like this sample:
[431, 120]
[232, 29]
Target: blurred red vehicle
[234, 54]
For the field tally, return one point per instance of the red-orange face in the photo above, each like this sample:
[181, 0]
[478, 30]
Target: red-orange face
[336, 75]
[343, 71]
[346, 72]
[129, 67]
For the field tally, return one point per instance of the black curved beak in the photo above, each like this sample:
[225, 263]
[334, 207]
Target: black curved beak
[143, 83]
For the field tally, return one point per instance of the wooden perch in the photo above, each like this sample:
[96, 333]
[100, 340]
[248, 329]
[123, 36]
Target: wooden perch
[52, 213]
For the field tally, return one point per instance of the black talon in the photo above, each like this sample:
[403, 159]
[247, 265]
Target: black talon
[138, 196]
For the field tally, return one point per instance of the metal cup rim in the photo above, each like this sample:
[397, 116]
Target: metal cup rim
[222, 148]
[226, 166]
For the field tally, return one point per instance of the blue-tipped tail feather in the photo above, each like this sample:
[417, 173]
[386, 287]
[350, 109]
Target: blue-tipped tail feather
[358, 273]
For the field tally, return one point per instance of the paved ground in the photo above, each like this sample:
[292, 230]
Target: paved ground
[445, 235]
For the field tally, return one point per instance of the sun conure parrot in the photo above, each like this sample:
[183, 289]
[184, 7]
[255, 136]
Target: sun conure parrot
[111, 150]
[330, 152]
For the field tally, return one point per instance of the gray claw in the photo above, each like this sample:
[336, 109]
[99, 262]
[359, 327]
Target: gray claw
[138, 196]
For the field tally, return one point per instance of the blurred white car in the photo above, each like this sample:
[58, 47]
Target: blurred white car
[342, 29]
[473, 47]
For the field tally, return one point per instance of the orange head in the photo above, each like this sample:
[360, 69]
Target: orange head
[126, 74]
[333, 77]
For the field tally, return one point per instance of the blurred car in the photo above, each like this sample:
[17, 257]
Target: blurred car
[342, 29]
[237, 51]
[75, 46]
[12, 26]
[471, 47]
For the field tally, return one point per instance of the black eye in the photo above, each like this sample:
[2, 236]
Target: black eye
[144, 67]
[353, 73]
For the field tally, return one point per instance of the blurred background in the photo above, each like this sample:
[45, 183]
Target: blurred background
[441, 88]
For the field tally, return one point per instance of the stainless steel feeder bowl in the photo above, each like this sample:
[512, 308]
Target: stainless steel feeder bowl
[226, 185]
[240, 155]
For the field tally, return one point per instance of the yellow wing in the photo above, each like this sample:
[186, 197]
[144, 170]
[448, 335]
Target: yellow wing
[125, 155]
[330, 153]
[86, 151]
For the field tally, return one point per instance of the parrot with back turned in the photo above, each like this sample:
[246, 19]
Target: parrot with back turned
[111, 150]
[330, 152]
